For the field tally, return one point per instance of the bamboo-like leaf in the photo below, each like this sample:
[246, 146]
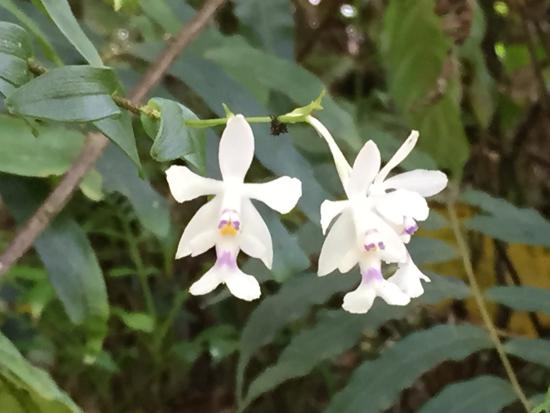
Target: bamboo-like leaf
[376, 384]
[62, 15]
[522, 298]
[292, 301]
[534, 350]
[67, 94]
[487, 394]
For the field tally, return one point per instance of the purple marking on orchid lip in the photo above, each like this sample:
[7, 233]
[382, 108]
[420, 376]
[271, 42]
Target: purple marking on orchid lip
[372, 274]
[222, 223]
[236, 225]
[370, 246]
[381, 245]
[411, 230]
[227, 259]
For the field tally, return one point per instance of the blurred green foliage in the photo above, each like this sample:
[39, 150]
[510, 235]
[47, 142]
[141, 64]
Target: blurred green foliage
[102, 305]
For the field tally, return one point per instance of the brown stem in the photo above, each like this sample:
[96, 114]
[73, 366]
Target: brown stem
[97, 142]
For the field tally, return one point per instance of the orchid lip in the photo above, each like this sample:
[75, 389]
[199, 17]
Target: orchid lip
[371, 274]
[225, 258]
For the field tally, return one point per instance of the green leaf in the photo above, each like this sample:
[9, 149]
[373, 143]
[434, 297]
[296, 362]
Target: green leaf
[376, 384]
[67, 94]
[505, 221]
[521, 298]
[544, 407]
[533, 350]
[443, 287]
[430, 250]
[72, 266]
[135, 320]
[50, 153]
[91, 185]
[33, 28]
[15, 49]
[121, 175]
[487, 394]
[62, 15]
[413, 70]
[34, 386]
[15, 41]
[334, 333]
[272, 22]
[292, 301]
[242, 61]
[172, 139]
[120, 130]
[160, 13]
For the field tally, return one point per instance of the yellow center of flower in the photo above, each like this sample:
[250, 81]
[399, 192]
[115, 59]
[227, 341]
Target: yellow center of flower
[228, 229]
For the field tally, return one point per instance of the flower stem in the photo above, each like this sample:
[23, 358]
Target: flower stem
[342, 166]
[478, 296]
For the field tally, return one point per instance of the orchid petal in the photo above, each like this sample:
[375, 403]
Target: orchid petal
[255, 239]
[401, 203]
[281, 194]
[422, 181]
[236, 149]
[365, 168]
[340, 239]
[207, 283]
[407, 278]
[242, 285]
[394, 249]
[398, 157]
[349, 260]
[391, 293]
[186, 185]
[204, 221]
[329, 211]
[360, 300]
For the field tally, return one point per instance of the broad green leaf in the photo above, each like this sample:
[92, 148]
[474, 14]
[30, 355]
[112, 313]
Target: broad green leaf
[67, 94]
[172, 139]
[6, 88]
[481, 91]
[49, 153]
[291, 302]
[160, 13]
[544, 407]
[376, 384]
[430, 250]
[334, 333]
[241, 60]
[272, 22]
[15, 49]
[92, 185]
[487, 394]
[33, 386]
[62, 15]
[72, 266]
[505, 221]
[522, 298]
[534, 350]
[413, 70]
[442, 288]
[135, 320]
[121, 175]
[33, 28]
[120, 130]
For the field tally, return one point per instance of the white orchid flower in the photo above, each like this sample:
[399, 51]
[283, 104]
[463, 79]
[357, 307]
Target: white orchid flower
[229, 221]
[375, 221]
